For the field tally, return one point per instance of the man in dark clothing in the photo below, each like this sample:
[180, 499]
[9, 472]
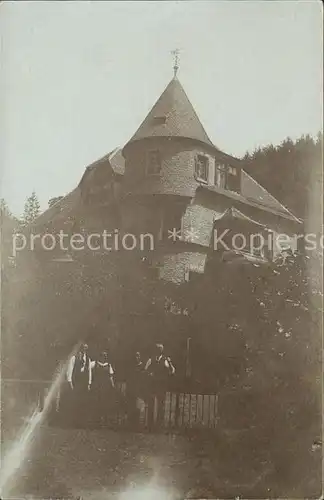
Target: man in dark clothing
[135, 388]
[79, 377]
[79, 373]
[159, 367]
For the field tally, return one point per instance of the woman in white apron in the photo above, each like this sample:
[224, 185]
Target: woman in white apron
[103, 388]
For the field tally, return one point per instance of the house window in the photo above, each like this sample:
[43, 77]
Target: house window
[153, 165]
[160, 120]
[254, 249]
[191, 274]
[202, 168]
[283, 243]
[233, 179]
[256, 244]
[227, 177]
[220, 175]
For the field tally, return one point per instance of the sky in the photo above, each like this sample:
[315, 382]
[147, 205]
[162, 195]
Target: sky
[78, 78]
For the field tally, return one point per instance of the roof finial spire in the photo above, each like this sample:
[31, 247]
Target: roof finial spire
[176, 54]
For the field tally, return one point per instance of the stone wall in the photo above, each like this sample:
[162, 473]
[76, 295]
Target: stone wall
[177, 176]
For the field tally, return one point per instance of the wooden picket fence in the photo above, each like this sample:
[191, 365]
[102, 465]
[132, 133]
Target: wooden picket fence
[183, 410]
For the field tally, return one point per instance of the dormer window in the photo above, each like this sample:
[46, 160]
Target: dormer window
[233, 179]
[220, 175]
[159, 119]
[202, 168]
[153, 164]
[232, 170]
[227, 177]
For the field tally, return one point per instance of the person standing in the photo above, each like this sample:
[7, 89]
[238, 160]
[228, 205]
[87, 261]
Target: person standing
[135, 389]
[79, 377]
[159, 367]
[139, 370]
[103, 388]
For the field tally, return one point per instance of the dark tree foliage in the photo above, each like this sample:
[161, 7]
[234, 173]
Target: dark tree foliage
[261, 315]
[289, 171]
[258, 344]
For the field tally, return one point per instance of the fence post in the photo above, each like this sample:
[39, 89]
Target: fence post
[188, 360]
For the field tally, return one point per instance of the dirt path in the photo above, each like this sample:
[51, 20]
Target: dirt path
[103, 464]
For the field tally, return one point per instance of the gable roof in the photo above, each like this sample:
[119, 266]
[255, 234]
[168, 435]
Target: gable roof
[117, 161]
[61, 210]
[67, 205]
[7, 221]
[250, 195]
[172, 116]
[253, 191]
[114, 160]
[234, 213]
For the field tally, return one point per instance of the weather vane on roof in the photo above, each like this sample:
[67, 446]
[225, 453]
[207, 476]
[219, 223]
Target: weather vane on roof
[176, 54]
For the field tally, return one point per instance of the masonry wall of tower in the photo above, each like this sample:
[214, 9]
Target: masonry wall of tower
[175, 267]
[151, 197]
[177, 174]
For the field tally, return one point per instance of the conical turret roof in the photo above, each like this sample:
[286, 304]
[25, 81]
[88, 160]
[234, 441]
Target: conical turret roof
[172, 116]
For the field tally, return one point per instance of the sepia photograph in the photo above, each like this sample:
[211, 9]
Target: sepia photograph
[161, 204]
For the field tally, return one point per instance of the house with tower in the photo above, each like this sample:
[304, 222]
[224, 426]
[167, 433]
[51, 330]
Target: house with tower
[169, 181]
[172, 182]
